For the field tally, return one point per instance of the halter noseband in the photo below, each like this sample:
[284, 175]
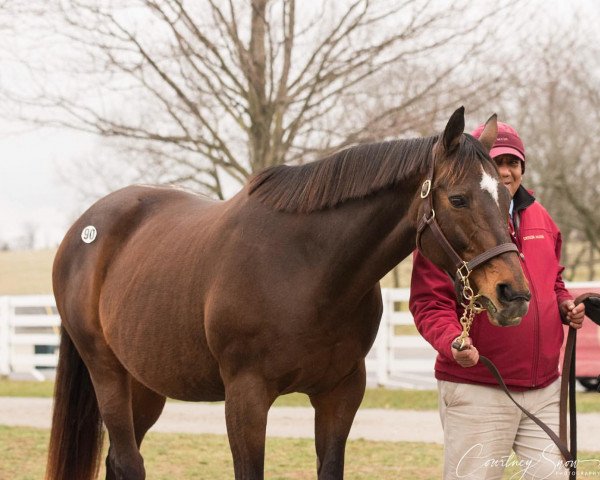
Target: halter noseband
[463, 269]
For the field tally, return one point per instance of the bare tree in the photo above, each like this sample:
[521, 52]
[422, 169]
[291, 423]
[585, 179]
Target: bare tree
[203, 91]
[558, 111]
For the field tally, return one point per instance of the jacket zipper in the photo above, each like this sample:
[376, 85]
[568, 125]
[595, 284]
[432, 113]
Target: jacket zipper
[535, 304]
[536, 326]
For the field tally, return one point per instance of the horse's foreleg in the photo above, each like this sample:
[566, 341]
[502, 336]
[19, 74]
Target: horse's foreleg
[247, 402]
[334, 414]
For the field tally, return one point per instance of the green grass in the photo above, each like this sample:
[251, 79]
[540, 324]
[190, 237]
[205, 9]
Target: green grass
[184, 456]
[13, 388]
[26, 272]
[377, 398]
[29, 272]
[194, 457]
[405, 330]
[399, 277]
[374, 397]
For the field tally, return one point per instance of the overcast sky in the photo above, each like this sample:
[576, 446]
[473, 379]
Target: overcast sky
[32, 193]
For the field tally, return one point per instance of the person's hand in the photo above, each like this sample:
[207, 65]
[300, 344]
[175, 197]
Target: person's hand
[467, 357]
[573, 314]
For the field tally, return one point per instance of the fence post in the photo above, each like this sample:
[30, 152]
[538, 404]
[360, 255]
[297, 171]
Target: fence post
[4, 336]
[382, 342]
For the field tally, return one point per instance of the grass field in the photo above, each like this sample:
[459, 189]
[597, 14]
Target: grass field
[194, 457]
[182, 457]
[187, 457]
[26, 272]
[29, 272]
[374, 397]
[191, 457]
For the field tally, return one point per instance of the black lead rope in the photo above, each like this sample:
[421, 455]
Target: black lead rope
[569, 456]
[591, 301]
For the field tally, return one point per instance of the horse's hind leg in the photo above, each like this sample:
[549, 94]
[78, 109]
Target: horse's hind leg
[334, 414]
[113, 386]
[147, 407]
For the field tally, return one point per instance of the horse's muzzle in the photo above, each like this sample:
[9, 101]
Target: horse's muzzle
[509, 312]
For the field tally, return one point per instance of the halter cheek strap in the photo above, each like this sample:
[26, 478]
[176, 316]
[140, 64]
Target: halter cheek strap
[463, 269]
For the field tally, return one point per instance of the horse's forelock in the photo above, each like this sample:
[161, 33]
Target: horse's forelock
[463, 164]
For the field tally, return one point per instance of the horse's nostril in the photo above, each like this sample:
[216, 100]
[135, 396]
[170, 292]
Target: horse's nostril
[506, 293]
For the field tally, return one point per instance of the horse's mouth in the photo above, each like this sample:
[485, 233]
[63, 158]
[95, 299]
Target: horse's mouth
[508, 316]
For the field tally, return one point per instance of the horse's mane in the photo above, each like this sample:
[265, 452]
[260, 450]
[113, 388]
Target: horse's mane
[352, 173]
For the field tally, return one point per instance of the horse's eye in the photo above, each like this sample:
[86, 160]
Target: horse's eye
[458, 201]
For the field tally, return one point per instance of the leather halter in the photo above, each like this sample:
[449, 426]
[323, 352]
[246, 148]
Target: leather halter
[463, 269]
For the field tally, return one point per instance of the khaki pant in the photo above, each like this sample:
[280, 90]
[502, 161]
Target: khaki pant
[482, 428]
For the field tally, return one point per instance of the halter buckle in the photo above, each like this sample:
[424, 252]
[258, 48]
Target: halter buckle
[431, 218]
[463, 272]
[425, 188]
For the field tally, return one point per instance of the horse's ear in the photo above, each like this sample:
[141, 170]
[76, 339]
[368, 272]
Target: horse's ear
[454, 129]
[490, 132]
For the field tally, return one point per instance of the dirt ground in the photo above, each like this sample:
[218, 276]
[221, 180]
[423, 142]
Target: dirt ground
[294, 422]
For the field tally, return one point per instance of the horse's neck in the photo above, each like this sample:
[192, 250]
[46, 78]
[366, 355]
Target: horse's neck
[373, 235]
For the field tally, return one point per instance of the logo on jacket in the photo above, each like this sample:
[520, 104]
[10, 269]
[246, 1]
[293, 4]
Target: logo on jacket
[534, 237]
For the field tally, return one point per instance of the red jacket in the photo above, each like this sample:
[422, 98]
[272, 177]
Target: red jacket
[526, 355]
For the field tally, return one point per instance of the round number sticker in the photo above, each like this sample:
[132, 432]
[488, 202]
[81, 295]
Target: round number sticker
[89, 234]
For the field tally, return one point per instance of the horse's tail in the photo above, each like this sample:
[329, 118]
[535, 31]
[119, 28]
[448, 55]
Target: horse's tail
[76, 435]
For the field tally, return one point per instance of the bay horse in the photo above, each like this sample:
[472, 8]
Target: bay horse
[164, 293]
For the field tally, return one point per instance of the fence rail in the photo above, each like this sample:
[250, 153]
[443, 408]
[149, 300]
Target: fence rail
[29, 337]
[29, 334]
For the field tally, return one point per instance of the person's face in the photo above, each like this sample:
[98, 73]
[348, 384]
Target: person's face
[510, 170]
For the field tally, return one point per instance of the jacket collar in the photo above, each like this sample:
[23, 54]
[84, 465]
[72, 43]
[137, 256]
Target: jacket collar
[522, 199]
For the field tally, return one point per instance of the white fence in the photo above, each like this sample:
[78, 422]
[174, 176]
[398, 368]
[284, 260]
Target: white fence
[398, 359]
[29, 336]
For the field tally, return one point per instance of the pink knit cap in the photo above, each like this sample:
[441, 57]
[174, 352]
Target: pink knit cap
[507, 142]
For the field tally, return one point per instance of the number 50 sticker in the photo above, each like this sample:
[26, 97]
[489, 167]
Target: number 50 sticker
[88, 235]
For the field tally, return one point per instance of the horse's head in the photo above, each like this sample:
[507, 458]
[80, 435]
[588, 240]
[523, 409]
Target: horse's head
[463, 217]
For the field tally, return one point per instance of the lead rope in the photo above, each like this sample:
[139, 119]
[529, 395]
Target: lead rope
[471, 308]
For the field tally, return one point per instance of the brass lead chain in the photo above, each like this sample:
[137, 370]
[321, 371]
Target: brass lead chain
[471, 308]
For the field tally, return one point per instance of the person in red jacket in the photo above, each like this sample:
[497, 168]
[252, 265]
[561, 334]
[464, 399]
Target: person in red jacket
[482, 427]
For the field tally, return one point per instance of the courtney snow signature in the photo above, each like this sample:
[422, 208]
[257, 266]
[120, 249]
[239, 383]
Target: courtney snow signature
[546, 464]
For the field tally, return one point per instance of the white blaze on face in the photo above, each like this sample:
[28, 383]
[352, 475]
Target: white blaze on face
[490, 185]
